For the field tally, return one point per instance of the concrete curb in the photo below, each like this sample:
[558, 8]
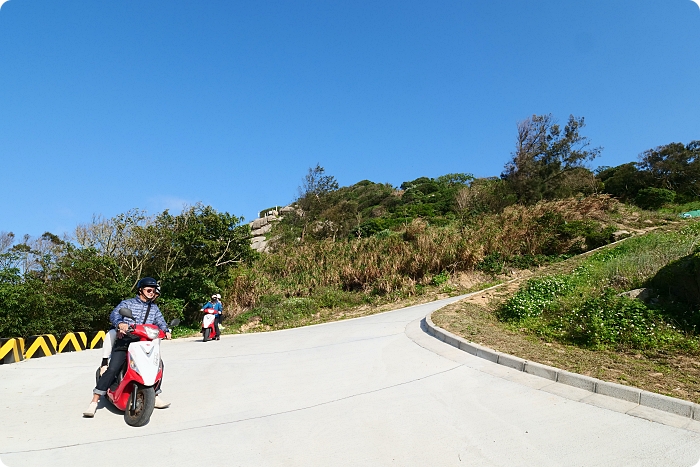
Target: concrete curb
[593, 385]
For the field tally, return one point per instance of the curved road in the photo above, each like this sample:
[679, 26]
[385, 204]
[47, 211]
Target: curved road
[370, 391]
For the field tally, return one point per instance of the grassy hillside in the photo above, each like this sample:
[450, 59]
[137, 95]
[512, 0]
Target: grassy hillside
[578, 315]
[302, 279]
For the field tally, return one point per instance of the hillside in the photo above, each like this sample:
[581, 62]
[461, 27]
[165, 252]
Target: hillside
[341, 248]
[628, 313]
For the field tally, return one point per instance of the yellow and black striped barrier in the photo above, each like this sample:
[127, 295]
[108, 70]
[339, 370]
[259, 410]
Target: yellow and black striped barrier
[16, 349]
[40, 346]
[11, 350]
[96, 339]
[72, 342]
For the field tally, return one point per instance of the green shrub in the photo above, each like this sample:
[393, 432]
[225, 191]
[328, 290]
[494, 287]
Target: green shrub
[584, 307]
[654, 198]
[620, 321]
[439, 279]
[534, 298]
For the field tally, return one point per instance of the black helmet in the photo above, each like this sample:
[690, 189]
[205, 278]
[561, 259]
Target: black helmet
[146, 282]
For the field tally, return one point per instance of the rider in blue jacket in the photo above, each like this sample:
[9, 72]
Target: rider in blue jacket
[215, 303]
[144, 311]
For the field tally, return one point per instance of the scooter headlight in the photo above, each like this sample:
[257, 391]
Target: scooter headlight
[132, 365]
[152, 333]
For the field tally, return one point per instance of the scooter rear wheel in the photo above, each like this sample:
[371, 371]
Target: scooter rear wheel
[145, 402]
[205, 334]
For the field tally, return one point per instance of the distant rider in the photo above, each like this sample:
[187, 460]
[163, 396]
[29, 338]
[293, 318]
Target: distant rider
[144, 312]
[215, 303]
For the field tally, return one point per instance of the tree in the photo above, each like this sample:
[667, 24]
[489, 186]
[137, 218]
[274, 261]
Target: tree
[191, 252]
[624, 181]
[313, 198]
[674, 167]
[654, 198]
[130, 238]
[197, 251]
[316, 184]
[545, 155]
[484, 195]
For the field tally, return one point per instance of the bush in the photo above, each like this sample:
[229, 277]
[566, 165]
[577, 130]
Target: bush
[84, 289]
[654, 198]
[619, 321]
[534, 298]
[439, 279]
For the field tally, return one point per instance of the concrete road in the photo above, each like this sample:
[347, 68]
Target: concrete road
[369, 391]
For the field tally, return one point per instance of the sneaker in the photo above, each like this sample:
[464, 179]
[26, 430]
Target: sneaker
[103, 369]
[90, 412]
[161, 404]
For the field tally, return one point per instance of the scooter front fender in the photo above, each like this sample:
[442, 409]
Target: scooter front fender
[120, 396]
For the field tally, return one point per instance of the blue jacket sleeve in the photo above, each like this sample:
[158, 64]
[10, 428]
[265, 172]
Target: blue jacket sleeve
[114, 316]
[158, 319]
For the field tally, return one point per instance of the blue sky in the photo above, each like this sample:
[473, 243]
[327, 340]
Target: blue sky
[108, 106]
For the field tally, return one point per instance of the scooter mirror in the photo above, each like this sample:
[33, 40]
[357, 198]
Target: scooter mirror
[175, 322]
[125, 312]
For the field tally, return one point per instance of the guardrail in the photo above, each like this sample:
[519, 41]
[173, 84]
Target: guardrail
[16, 349]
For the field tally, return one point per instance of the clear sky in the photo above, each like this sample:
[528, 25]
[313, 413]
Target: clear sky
[107, 106]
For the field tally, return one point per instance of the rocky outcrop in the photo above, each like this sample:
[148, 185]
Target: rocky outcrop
[261, 227]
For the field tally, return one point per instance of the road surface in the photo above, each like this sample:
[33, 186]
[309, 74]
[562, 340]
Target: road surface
[375, 390]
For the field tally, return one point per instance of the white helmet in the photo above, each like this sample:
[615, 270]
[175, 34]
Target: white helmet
[216, 295]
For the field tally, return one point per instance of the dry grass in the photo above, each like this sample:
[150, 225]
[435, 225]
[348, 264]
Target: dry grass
[457, 285]
[398, 265]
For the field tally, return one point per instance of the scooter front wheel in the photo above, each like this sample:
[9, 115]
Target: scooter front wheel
[140, 407]
[205, 334]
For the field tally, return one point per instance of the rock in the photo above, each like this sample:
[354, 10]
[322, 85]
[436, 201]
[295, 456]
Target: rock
[262, 226]
[638, 294]
[620, 234]
[262, 230]
[259, 222]
[261, 247]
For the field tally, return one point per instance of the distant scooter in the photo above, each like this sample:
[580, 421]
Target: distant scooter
[134, 391]
[209, 329]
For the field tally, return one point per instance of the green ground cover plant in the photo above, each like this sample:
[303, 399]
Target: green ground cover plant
[585, 306]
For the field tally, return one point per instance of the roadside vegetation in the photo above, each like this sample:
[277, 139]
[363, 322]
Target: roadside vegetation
[591, 306]
[628, 313]
[345, 251]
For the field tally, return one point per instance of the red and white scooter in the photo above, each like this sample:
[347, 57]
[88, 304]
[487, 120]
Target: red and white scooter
[134, 391]
[209, 330]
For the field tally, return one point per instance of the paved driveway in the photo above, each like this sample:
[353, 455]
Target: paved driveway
[369, 391]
